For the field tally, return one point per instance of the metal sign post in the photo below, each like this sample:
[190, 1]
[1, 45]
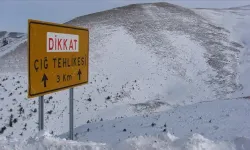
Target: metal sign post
[71, 114]
[41, 113]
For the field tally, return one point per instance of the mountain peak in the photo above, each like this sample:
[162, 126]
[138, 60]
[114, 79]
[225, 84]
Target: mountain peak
[245, 7]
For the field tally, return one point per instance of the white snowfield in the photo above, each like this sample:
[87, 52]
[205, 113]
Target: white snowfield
[161, 77]
[217, 123]
[160, 142]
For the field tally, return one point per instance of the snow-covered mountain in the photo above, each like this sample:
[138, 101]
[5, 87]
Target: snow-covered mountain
[246, 7]
[13, 55]
[144, 58]
[14, 39]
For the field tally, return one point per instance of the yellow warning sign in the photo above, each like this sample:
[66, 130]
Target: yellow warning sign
[57, 57]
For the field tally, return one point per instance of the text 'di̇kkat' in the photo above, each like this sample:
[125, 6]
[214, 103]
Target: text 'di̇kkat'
[59, 42]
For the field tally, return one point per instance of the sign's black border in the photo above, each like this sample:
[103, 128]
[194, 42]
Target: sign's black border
[59, 89]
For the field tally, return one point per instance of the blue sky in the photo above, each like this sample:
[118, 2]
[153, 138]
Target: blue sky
[15, 13]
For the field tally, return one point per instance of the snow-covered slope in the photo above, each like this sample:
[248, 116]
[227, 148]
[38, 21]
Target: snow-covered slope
[144, 58]
[14, 54]
[202, 126]
[237, 21]
[184, 46]
[14, 39]
[217, 120]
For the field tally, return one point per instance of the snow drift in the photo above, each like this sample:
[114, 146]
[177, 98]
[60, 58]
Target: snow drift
[45, 141]
[166, 141]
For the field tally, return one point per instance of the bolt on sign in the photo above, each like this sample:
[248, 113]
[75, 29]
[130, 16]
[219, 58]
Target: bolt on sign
[57, 57]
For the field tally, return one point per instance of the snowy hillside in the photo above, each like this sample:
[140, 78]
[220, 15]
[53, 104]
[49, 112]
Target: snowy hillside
[237, 21]
[171, 130]
[144, 59]
[14, 39]
[214, 120]
[15, 43]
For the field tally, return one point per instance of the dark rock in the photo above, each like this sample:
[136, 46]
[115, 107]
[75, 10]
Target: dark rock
[10, 94]
[49, 112]
[10, 123]
[15, 120]
[2, 130]
[108, 98]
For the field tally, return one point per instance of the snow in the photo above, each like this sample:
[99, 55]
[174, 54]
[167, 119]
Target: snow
[161, 142]
[203, 126]
[237, 21]
[45, 141]
[164, 142]
[14, 42]
[139, 91]
[157, 80]
[216, 120]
